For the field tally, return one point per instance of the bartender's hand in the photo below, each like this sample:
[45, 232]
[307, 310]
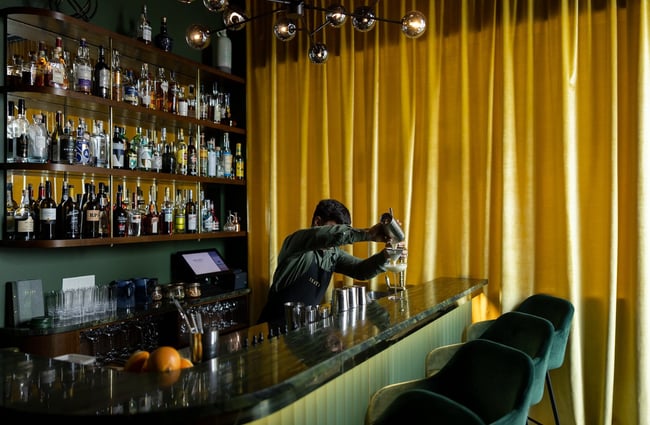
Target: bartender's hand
[376, 233]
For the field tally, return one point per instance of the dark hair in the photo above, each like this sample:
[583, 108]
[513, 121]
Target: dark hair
[331, 209]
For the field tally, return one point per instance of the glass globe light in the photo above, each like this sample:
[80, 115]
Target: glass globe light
[234, 19]
[363, 19]
[414, 24]
[215, 5]
[186, 1]
[285, 29]
[318, 53]
[336, 15]
[197, 36]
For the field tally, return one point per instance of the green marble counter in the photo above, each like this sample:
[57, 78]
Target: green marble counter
[240, 386]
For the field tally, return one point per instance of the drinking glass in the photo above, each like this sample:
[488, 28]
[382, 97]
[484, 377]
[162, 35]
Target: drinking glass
[396, 264]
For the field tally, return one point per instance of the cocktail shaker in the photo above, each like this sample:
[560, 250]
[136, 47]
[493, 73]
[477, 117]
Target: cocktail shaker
[392, 227]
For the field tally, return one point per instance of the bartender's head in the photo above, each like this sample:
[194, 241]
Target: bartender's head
[329, 212]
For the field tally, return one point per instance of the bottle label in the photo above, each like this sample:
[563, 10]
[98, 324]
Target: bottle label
[118, 154]
[11, 224]
[104, 79]
[92, 215]
[48, 214]
[182, 108]
[227, 165]
[82, 151]
[84, 78]
[191, 222]
[25, 226]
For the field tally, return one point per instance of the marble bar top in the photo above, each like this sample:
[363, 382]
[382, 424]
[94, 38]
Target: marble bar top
[243, 385]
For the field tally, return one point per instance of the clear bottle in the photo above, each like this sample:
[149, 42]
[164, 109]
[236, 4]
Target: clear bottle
[102, 75]
[10, 209]
[90, 216]
[47, 214]
[179, 213]
[220, 171]
[117, 90]
[10, 153]
[132, 152]
[239, 162]
[59, 67]
[104, 206]
[120, 216]
[162, 87]
[19, 132]
[163, 40]
[181, 154]
[99, 145]
[226, 157]
[83, 73]
[135, 217]
[182, 102]
[206, 216]
[57, 139]
[152, 219]
[119, 147]
[29, 69]
[82, 144]
[156, 157]
[191, 214]
[145, 151]
[212, 158]
[167, 214]
[143, 30]
[37, 140]
[24, 218]
[146, 88]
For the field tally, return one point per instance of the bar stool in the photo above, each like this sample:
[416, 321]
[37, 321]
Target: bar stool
[490, 379]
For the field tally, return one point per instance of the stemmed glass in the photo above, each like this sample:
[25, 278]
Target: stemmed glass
[396, 263]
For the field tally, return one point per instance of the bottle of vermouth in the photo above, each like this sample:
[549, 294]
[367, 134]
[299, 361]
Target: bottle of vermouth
[47, 214]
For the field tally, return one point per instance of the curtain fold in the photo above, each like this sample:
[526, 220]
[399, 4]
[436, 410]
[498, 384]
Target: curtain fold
[510, 140]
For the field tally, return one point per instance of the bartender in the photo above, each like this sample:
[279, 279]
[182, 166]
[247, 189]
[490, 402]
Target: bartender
[309, 257]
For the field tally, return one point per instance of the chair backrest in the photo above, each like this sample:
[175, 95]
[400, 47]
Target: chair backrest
[426, 407]
[491, 379]
[531, 334]
[438, 357]
[559, 312]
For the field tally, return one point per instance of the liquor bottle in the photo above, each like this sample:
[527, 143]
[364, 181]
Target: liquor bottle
[68, 143]
[101, 75]
[182, 102]
[10, 209]
[132, 151]
[144, 151]
[145, 87]
[163, 40]
[12, 138]
[83, 73]
[179, 213]
[162, 86]
[191, 215]
[118, 148]
[215, 219]
[59, 67]
[203, 156]
[220, 172]
[90, 216]
[120, 216]
[29, 69]
[60, 214]
[99, 145]
[130, 88]
[152, 219]
[42, 66]
[35, 205]
[181, 154]
[116, 71]
[56, 152]
[172, 93]
[47, 214]
[226, 116]
[192, 157]
[168, 157]
[143, 30]
[239, 162]
[212, 158]
[24, 218]
[72, 214]
[191, 101]
[19, 134]
[206, 216]
[135, 217]
[226, 157]
[82, 144]
[166, 215]
[104, 206]
[37, 138]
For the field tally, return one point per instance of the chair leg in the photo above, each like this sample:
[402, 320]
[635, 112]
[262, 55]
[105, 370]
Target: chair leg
[534, 420]
[549, 386]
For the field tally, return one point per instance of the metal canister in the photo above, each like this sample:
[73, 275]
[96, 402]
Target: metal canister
[392, 227]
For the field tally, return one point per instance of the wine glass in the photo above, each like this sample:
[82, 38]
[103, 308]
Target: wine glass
[396, 264]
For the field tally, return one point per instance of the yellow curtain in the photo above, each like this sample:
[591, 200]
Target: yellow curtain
[510, 139]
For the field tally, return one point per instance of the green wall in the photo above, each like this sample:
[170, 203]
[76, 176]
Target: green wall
[121, 261]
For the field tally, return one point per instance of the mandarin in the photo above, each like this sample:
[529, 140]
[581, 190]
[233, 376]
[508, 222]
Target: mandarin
[137, 362]
[164, 359]
[185, 363]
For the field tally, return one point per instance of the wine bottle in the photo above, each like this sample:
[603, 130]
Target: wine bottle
[191, 215]
[57, 139]
[120, 216]
[24, 218]
[72, 217]
[104, 206]
[102, 76]
[60, 214]
[10, 209]
[47, 214]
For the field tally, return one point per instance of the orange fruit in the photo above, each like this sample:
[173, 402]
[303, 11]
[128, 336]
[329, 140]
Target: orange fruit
[137, 362]
[185, 363]
[165, 379]
[164, 359]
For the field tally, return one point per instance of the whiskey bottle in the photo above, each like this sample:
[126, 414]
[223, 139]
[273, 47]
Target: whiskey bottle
[163, 40]
[91, 213]
[162, 87]
[83, 73]
[191, 215]
[166, 215]
[120, 216]
[118, 82]
[10, 209]
[42, 66]
[24, 218]
[172, 93]
[143, 30]
[102, 76]
[151, 220]
[47, 214]
[239, 162]
[59, 67]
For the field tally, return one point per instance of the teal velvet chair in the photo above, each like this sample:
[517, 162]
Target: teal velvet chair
[489, 379]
